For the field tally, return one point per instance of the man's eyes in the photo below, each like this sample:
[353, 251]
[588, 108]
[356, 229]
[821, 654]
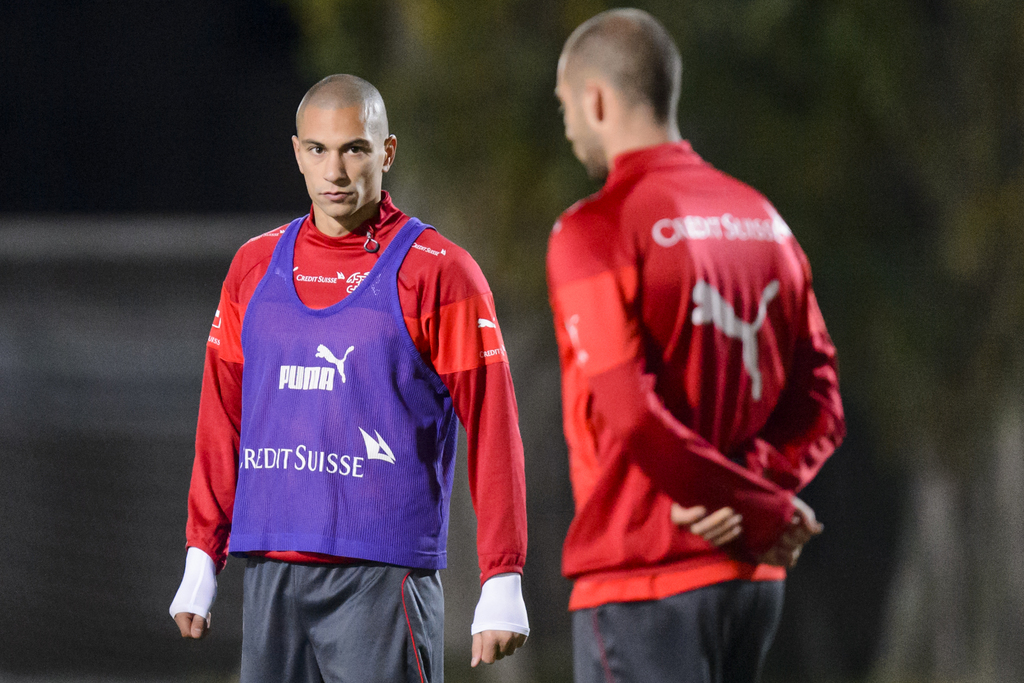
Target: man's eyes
[318, 149]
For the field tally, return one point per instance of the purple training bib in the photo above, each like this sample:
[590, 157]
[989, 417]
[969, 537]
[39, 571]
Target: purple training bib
[347, 442]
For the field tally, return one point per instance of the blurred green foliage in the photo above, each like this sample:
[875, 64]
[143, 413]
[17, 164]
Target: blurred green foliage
[889, 133]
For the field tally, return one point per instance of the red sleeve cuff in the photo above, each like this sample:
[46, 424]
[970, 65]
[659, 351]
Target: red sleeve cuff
[500, 564]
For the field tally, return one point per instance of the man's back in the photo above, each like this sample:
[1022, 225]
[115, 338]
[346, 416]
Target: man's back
[694, 276]
[706, 247]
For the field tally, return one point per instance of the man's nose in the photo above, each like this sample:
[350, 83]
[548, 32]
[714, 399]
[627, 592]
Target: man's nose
[335, 169]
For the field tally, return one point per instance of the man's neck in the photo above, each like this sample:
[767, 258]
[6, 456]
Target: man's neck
[640, 137]
[334, 227]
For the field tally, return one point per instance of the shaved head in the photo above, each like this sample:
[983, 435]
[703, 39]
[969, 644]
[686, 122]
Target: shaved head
[634, 52]
[341, 91]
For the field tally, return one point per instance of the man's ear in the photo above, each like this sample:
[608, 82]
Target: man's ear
[594, 102]
[390, 149]
[295, 148]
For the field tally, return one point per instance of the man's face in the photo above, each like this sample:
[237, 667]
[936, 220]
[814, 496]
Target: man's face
[585, 143]
[343, 159]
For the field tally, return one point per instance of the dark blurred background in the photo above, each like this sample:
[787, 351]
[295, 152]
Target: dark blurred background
[142, 142]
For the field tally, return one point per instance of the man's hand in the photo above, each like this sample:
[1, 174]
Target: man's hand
[718, 528]
[191, 625]
[802, 528]
[190, 608]
[500, 624]
[490, 646]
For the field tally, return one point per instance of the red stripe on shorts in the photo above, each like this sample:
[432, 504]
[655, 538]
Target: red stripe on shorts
[415, 650]
[600, 647]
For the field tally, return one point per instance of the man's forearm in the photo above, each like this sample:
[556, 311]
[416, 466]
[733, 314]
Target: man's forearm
[215, 468]
[682, 463]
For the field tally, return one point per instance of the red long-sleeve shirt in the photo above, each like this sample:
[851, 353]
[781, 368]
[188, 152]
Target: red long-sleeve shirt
[696, 368]
[444, 296]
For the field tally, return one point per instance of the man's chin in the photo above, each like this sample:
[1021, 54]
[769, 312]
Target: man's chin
[596, 169]
[339, 211]
[350, 215]
[593, 161]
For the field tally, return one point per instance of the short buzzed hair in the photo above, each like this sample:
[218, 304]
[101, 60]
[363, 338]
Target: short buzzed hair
[634, 52]
[340, 91]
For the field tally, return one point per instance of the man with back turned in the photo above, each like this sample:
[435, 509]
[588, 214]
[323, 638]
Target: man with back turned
[697, 375]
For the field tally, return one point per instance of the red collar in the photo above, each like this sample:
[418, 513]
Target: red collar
[387, 218]
[639, 161]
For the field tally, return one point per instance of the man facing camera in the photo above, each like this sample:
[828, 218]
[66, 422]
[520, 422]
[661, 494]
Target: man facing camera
[347, 347]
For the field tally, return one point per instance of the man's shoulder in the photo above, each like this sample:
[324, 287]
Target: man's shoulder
[587, 238]
[597, 208]
[438, 252]
[261, 245]
[253, 254]
[435, 258]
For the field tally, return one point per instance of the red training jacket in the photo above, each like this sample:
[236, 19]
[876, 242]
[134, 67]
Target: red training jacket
[696, 367]
[443, 296]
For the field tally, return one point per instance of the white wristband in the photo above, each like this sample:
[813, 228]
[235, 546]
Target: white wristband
[501, 606]
[198, 587]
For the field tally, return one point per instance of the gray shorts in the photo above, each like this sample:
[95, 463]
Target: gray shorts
[341, 623]
[716, 634]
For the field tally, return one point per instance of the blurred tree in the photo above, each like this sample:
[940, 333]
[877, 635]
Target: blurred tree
[890, 133]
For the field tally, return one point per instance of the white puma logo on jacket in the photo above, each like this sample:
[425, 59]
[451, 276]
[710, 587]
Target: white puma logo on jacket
[712, 308]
